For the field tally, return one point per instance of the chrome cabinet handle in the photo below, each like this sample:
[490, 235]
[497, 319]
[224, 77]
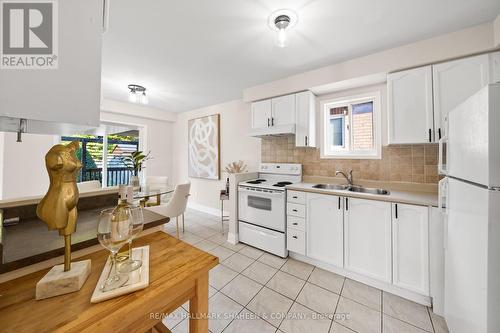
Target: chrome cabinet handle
[295, 237]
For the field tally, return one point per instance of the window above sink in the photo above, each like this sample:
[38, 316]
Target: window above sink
[351, 127]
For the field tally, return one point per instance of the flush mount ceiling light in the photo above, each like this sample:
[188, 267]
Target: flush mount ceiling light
[282, 21]
[137, 94]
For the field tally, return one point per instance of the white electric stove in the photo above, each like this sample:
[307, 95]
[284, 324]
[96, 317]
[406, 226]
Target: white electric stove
[262, 207]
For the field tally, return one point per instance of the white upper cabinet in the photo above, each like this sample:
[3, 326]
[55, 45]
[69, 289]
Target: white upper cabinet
[325, 228]
[71, 93]
[454, 82]
[368, 238]
[410, 106]
[283, 110]
[261, 114]
[410, 230]
[305, 130]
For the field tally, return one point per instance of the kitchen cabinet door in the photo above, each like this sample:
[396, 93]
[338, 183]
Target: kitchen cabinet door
[325, 228]
[70, 94]
[454, 82]
[410, 110]
[305, 130]
[261, 114]
[283, 110]
[367, 238]
[410, 241]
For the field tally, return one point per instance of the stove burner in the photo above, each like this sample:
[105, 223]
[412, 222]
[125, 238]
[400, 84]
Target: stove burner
[257, 181]
[282, 184]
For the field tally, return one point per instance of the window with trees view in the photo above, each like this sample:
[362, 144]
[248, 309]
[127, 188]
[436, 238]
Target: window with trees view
[351, 127]
[105, 165]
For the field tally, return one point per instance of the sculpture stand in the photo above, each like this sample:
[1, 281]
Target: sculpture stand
[58, 282]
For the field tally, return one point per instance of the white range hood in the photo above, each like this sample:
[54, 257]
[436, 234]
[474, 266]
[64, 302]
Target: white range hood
[273, 131]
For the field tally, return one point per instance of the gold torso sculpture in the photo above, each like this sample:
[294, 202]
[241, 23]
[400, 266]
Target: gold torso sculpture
[58, 207]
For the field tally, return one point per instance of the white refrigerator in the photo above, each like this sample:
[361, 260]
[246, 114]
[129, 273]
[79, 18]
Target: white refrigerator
[470, 198]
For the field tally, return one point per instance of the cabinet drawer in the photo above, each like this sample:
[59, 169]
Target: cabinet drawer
[296, 222]
[296, 241]
[296, 210]
[296, 197]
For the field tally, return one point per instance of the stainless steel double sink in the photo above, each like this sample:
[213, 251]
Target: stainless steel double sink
[352, 188]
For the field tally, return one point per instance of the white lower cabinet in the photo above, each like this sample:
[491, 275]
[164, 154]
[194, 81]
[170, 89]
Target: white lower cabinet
[296, 241]
[325, 228]
[410, 241]
[368, 238]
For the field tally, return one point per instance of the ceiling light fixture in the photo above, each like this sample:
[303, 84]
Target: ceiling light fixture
[137, 94]
[282, 21]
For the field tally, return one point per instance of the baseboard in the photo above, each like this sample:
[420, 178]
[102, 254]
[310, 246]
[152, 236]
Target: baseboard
[412, 296]
[205, 209]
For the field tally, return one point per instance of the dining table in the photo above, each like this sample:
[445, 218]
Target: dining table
[145, 193]
[178, 272]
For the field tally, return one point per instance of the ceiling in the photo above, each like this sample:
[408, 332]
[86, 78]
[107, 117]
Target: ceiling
[195, 53]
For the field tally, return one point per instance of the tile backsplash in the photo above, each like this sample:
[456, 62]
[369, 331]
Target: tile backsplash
[399, 163]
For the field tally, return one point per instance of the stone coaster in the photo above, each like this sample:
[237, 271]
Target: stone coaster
[58, 282]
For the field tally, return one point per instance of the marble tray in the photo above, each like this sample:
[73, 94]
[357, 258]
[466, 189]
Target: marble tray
[138, 279]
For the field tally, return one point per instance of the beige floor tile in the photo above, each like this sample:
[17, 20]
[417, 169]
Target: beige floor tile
[182, 327]
[190, 238]
[439, 323]
[337, 328]
[251, 252]
[220, 275]
[259, 272]
[218, 238]
[302, 320]
[272, 260]
[327, 280]
[286, 284]
[241, 289]
[318, 299]
[238, 262]
[361, 293]
[174, 318]
[206, 245]
[222, 311]
[357, 317]
[298, 268]
[268, 303]
[248, 322]
[393, 325]
[233, 247]
[221, 252]
[407, 311]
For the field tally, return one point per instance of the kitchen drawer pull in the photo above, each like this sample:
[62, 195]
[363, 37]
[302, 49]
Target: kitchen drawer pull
[295, 223]
[295, 197]
[294, 237]
[294, 210]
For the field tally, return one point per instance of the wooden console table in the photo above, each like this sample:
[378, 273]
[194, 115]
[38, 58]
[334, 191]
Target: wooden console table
[178, 273]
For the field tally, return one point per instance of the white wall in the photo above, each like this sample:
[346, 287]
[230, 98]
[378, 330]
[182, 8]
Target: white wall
[235, 145]
[460, 43]
[496, 28]
[23, 164]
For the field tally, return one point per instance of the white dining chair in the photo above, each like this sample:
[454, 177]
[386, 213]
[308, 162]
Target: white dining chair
[176, 206]
[157, 182]
[88, 186]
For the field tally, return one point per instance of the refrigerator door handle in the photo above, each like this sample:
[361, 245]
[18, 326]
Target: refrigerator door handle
[443, 156]
[443, 196]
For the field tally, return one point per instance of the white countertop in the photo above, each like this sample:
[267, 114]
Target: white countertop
[400, 196]
[16, 202]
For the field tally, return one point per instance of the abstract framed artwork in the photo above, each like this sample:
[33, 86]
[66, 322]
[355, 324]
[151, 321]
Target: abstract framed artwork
[204, 147]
